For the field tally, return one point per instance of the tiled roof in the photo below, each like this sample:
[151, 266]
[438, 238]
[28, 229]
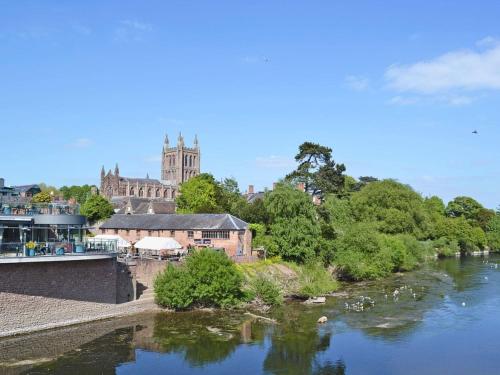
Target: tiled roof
[175, 222]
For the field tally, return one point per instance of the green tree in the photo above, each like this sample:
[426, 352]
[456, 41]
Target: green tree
[42, 197]
[97, 208]
[360, 255]
[493, 233]
[199, 195]
[317, 170]
[286, 202]
[296, 239]
[469, 208]
[79, 193]
[396, 208]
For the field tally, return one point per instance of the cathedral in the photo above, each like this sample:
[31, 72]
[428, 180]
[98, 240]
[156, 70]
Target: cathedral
[178, 165]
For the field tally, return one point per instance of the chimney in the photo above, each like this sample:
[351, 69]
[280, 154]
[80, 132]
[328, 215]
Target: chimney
[250, 189]
[301, 186]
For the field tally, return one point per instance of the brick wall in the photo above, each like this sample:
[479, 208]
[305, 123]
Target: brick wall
[84, 280]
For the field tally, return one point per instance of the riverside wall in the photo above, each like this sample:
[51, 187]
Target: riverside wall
[43, 295]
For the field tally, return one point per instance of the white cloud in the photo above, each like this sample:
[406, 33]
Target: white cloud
[357, 83]
[131, 31]
[80, 143]
[274, 161]
[452, 100]
[464, 70]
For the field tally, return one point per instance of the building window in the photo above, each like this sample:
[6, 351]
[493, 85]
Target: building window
[215, 234]
[116, 231]
[172, 233]
[127, 231]
[190, 234]
[150, 233]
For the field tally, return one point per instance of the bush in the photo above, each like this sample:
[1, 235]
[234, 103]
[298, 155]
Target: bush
[445, 247]
[209, 278]
[267, 290]
[315, 280]
[174, 288]
[359, 254]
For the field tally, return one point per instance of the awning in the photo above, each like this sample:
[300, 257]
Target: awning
[122, 243]
[158, 243]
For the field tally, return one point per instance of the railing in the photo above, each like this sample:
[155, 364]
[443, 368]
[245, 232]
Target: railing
[58, 248]
[10, 207]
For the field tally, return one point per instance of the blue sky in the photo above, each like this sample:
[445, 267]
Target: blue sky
[395, 88]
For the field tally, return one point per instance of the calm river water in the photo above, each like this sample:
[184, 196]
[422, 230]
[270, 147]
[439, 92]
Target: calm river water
[443, 319]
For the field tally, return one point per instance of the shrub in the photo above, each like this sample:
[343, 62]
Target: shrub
[209, 278]
[217, 281]
[267, 290]
[315, 280]
[445, 247]
[174, 288]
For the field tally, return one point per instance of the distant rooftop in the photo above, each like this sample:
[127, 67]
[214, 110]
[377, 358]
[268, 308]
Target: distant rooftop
[175, 222]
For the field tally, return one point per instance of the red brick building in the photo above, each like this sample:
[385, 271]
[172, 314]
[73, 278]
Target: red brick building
[200, 230]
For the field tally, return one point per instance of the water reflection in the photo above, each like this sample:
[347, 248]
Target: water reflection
[428, 301]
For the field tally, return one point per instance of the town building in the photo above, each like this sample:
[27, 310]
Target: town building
[221, 231]
[178, 165]
[24, 191]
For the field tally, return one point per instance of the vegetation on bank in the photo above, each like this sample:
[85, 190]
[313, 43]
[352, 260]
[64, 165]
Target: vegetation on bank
[364, 228]
[209, 278]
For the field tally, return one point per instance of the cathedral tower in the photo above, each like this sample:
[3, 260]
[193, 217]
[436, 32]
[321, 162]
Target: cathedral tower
[179, 163]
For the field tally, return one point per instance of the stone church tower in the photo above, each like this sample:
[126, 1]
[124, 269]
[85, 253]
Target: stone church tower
[179, 163]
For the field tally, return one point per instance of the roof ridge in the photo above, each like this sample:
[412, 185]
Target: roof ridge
[232, 220]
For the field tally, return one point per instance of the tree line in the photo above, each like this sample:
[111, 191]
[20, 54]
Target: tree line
[366, 228]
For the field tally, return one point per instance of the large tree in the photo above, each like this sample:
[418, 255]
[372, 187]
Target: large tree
[199, 195]
[97, 208]
[317, 170]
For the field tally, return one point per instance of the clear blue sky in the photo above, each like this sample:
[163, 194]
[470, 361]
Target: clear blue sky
[395, 88]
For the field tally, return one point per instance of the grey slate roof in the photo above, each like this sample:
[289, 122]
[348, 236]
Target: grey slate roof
[175, 222]
[251, 198]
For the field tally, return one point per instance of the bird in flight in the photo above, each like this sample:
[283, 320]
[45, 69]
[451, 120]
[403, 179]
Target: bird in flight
[475, 132]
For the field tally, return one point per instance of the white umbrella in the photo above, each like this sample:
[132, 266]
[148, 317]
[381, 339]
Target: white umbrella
[158, 243]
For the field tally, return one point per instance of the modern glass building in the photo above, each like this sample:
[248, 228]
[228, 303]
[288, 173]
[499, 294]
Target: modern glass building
[45, 229]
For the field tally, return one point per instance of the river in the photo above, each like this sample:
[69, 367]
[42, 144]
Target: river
[442, 319]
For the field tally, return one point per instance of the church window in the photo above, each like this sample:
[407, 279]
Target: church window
[165, 194]
[149, 193]
[190, 160]
[141, 192]
[132, 192]
[157, 193]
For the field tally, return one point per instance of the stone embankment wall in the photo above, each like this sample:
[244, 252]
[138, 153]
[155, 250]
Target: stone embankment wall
[43, 295]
